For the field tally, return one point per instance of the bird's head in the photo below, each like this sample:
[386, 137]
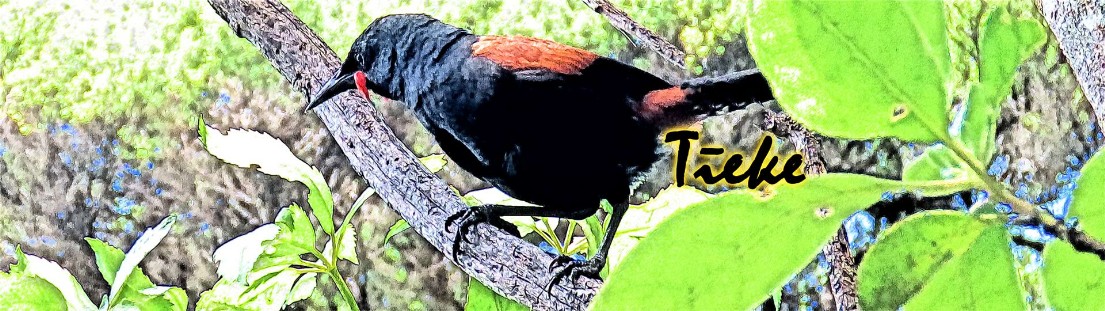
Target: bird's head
[380, 55]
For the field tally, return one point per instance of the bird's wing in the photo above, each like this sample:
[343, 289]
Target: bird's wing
[522, 54]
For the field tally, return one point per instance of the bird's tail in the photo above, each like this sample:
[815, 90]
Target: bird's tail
[699, 98]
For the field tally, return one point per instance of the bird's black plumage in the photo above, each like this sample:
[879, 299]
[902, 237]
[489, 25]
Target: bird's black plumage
[549, 124]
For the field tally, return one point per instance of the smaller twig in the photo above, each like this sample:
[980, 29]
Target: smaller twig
[626, 25]
[842, 272]
[803, 139]
[1077, 238]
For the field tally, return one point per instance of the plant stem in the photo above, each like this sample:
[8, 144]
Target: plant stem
[568, 236]
[997, 188]
[339, 281]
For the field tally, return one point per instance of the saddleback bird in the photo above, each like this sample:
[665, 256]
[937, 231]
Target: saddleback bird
[546, 123]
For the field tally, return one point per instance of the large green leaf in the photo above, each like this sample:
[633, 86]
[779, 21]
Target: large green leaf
[732, 251]
[28, 292]
[482, 298]
[1074, 280]
[248, 149]
[941, 260]
[842, 72]
[1088, 200]
[75, 297]
[641, 219]
[1003, 44]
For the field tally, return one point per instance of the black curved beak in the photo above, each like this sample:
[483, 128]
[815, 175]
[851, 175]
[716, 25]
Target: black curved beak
[340, 83]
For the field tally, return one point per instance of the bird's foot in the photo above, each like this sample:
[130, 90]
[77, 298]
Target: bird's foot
[574, 269]
[466, 218]
[472, 216]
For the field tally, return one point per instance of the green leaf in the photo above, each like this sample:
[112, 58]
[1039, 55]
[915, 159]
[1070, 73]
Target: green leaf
[146, 242]
[349, 251]
[842, 73]
[138, 291]
[641, 219]
[1004, 43]
[347, 245]
[248, 148]
[434, 163]
[176, 297]
[28, 292]
[399, 226]
[108, 259]
[930, 259]
[271, 293]
[732, 251]
[938, 163]
[75, 297]
[1087, 198]
[295, 228]
[482, 298]
[1072, 280]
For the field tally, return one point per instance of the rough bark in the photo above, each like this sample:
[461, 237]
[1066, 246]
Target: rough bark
[617, 18]
[509, 266]
[1080, 28]
[842, 265]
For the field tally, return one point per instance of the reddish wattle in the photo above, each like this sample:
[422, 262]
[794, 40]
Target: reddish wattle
[362, 83]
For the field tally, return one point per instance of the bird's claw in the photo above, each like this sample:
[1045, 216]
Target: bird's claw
[467, 218]
[574, 269]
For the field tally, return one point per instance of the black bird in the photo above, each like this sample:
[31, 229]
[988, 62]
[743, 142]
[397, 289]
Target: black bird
[546, 123]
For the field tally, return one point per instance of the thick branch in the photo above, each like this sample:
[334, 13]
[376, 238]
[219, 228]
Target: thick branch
[622, 22]
[507, 265]
[1080, 28]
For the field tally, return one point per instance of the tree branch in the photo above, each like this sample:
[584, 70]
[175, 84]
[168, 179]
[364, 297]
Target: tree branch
[509, 266]
[842, 265]
[627, 25]
[1080, 28]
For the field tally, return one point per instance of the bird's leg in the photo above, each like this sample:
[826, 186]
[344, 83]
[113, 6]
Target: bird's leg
[591, 268]
[491, 213]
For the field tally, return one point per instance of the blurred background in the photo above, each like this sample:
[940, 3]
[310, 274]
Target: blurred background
[98, 139]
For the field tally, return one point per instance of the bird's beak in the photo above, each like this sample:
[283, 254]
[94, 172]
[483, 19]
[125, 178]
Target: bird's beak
[340, 83]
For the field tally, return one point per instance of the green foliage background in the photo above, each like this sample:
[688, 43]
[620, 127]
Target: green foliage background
[110, 86]
[99, 99]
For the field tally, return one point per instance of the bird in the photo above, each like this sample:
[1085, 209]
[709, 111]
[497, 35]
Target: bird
[546, 123]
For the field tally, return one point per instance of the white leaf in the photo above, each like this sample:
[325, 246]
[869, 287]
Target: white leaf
[236, 257]
[146, 242]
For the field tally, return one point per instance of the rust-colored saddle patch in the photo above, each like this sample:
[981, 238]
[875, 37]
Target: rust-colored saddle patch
[517, 53]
